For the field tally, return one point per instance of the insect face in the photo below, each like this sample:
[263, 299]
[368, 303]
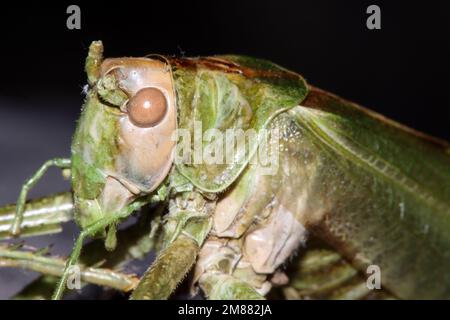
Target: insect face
[123, 144]
[147, 120]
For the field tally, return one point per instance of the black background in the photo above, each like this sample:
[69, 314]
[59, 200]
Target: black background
[401, 71]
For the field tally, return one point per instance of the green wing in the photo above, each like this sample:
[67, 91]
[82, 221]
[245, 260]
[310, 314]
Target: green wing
[378, 192]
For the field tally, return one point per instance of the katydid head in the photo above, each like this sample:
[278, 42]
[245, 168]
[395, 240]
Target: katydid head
[123, 146]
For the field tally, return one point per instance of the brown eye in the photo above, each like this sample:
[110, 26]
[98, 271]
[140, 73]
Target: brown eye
[147, 107]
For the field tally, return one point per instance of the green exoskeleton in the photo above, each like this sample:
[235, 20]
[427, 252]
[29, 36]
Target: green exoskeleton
[376, 192]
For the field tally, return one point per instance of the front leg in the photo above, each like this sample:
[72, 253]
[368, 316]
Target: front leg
[169, 269]
[90, 231]
[185, 229]
[75, 255]
[134, 242]
[20, 208]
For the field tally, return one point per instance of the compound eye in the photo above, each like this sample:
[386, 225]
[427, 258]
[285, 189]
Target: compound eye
[147, 107]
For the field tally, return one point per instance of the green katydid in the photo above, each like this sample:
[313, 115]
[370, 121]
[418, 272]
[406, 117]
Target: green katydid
[374, 190]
